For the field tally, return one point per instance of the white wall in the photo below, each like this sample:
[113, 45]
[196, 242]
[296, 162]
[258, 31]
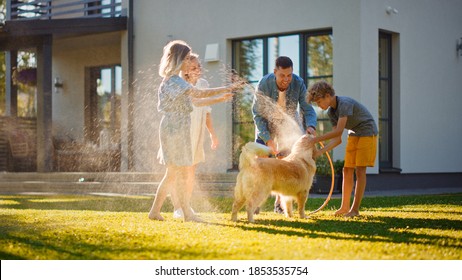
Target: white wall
[429, 83]
[70, 57]
[206, 22]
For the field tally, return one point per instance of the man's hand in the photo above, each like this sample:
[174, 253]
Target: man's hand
[311, 130]
[270, 143]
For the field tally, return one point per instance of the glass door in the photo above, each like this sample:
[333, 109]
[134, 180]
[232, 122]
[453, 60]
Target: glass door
[385, 104]
[102, 122]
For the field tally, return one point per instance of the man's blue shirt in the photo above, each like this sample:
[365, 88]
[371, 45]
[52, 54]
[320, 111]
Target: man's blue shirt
[295, 95]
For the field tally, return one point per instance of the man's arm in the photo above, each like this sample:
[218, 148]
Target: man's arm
[308, 112]
[261, 123]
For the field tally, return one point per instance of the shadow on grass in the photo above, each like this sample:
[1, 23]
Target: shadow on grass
[371, 229]
[67, 245]
[380, 228]
[32, 240]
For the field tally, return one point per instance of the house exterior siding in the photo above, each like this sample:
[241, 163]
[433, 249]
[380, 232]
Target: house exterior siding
[426, 79]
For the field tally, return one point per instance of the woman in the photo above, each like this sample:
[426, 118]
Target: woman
[174, 132]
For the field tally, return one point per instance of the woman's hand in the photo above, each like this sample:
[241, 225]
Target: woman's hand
[226, 97]
[214, 139]
[237, 85]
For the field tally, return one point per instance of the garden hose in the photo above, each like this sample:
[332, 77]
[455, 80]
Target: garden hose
[332, 185]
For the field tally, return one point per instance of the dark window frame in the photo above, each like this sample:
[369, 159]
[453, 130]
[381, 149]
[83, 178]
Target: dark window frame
[303, 68]
[92, 125]
[388, 78]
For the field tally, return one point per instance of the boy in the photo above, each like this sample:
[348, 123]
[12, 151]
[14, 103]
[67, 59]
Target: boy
[346, 113]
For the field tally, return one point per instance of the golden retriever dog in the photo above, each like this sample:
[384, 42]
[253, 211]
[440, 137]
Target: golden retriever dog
[259, 176]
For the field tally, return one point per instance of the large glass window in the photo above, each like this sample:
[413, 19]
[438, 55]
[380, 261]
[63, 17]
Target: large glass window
[319, 66]
[24, 76]
[2, 84]
[385, 109]
[103, 104]
[253, 58]
[287, 46]
[248, 62]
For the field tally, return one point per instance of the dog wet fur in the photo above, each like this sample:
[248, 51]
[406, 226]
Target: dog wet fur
[259, 176]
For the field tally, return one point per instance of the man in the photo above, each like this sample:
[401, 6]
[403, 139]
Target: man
[288, 92]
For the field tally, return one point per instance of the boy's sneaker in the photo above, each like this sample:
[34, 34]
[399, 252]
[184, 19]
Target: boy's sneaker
[178, 213]
[278, 209]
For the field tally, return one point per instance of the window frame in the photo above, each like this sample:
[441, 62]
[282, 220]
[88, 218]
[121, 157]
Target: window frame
[303, 71]
[92, 121]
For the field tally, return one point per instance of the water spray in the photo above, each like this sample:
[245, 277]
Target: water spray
[331, 186]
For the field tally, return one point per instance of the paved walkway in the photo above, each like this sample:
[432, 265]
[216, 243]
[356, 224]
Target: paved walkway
[427, 191]
[116, 184]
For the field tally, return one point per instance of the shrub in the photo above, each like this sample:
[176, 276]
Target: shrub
[323, 166]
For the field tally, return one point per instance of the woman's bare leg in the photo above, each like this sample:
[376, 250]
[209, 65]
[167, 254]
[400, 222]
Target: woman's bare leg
[162, 191]
[182, 193]
[190, 181]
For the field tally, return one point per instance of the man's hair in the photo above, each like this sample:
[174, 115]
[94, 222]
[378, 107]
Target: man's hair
[284, 62]
[320, 90]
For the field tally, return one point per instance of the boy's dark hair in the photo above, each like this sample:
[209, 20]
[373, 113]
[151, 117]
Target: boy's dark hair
[284, 62]
[320, 90]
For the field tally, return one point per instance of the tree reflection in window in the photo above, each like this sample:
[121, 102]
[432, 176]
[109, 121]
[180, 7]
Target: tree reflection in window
[253, 58]
[319, 60]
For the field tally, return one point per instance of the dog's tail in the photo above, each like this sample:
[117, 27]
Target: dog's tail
[250, 152]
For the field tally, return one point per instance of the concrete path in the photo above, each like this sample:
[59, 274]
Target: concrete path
[122, 184]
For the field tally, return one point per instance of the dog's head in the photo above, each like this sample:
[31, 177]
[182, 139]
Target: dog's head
[303, 143]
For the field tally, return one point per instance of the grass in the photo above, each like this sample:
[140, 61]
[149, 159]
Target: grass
[95, 227]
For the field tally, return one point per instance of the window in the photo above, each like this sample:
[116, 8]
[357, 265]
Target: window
[248, 62]
[253, 58]
[319, 66]
[2, 84]
[24, 77]
[104, 8]
[385, 108]
[102, 103]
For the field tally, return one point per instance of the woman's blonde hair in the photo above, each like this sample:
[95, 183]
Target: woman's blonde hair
[174, 54]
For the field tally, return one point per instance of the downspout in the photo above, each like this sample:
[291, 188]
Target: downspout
[11, 57]
[131, 101]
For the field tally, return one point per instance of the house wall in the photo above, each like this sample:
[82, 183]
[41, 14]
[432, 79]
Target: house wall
[431, 86]
[427, 84]
[70, 57]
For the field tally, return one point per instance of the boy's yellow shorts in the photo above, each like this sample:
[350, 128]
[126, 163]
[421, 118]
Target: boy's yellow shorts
[360, 151]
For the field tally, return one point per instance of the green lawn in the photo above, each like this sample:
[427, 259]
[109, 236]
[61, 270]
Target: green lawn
[95, 227]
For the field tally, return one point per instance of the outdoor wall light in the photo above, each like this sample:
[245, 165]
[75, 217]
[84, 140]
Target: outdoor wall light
[459, 46]
[211, 53]
[391, 10]
[58, 85]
